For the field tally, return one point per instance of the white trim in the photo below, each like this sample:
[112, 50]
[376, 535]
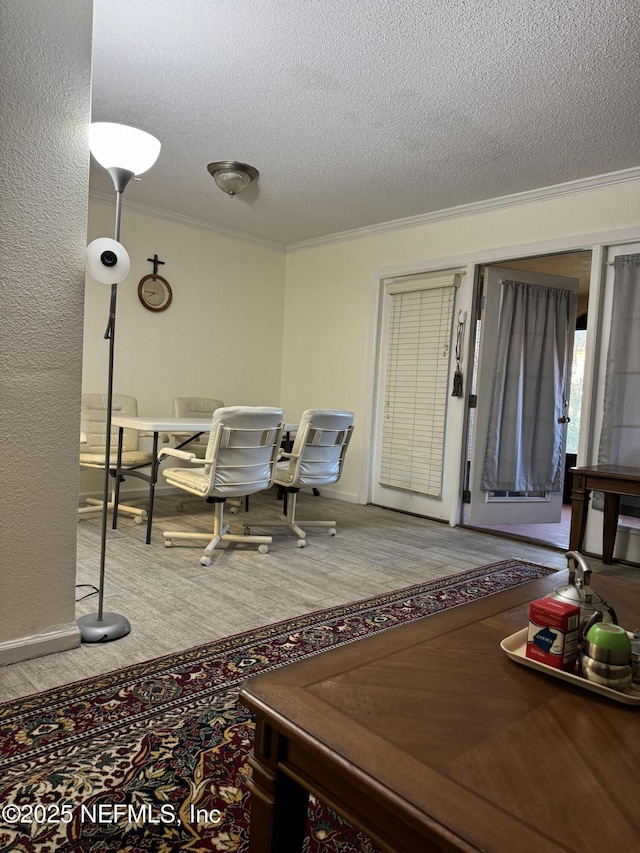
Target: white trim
[24, 648]
[408, 283]
[334, 491]
[592, 355]
[170, 216]
[501, 254]
[541, 194]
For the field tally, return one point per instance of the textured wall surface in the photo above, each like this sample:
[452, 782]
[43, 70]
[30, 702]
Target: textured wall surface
[45, 67]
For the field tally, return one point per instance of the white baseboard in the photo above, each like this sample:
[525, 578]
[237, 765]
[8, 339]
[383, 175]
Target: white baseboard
[141, 494]
[23, 648]
[336, 493]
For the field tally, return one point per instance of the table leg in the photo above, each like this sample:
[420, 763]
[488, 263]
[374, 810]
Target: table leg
[116, 488]
[579, 506]
[610, 526]
[278, 804]
[152, 486]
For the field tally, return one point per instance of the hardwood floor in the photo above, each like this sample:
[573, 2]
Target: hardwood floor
[552, 534]
[173, 603]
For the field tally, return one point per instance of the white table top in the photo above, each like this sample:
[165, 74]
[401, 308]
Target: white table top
[163, 424]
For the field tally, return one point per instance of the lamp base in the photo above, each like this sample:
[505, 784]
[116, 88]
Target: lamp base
[112, 626]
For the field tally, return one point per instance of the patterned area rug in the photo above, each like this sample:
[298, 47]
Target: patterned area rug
[153, 757]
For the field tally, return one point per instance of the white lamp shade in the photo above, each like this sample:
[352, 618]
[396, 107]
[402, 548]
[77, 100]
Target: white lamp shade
[123, 147]
[107, 260]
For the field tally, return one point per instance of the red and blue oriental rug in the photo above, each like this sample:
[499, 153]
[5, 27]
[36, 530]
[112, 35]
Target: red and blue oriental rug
[154, 757]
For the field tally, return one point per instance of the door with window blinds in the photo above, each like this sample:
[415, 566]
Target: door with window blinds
[415, 387]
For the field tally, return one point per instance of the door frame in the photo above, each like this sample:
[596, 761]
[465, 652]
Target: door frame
[457, 415]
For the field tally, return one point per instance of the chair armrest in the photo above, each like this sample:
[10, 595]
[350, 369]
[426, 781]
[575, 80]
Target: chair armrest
[179, 454]
[283, 454]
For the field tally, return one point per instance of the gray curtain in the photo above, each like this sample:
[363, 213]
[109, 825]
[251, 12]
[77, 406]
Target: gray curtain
[620, 434]
[525, 442]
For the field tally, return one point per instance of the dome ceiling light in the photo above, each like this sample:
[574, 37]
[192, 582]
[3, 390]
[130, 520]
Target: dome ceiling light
[232, 177]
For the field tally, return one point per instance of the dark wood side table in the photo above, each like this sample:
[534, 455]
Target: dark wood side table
[428, 738]
[613, 480]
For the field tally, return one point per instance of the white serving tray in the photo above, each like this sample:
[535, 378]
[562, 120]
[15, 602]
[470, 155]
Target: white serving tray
[516, 648]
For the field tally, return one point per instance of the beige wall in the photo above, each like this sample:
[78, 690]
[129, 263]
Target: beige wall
[330, 300]
[220, 337]
[45, 67]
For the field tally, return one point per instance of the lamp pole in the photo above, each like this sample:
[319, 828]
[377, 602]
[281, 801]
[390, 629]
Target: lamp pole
[101, 627]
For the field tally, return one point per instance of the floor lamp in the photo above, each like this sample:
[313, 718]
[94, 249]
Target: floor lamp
[124, 152]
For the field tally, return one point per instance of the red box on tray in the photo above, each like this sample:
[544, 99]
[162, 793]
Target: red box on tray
[553, 633]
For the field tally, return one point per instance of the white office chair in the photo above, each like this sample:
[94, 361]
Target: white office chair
[240, 460]
[195, 407]
[93, 447]
[316, 459]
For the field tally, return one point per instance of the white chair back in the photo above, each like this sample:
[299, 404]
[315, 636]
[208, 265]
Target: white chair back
[93, 422]
[242, 450]
[319, 448]
[196, 407]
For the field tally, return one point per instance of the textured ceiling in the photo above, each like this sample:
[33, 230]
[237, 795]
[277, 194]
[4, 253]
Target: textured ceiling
[358, 112]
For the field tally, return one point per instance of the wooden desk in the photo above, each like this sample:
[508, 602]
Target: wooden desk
[613, 480]
[428, 738]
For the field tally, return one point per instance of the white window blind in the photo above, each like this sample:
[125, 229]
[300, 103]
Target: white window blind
[417, 381]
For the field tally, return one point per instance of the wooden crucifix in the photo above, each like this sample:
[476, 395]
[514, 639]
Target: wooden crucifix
[156, 263]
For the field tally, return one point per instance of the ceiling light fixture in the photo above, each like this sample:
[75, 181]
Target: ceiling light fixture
[232, 177]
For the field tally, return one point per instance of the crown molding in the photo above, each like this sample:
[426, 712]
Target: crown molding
[171, 216]
[527, 197]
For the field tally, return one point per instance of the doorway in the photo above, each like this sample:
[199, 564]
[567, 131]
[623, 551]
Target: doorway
[576, 265]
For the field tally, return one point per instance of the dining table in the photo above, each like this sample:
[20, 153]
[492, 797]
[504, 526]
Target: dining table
[154, 426]
[192, 428]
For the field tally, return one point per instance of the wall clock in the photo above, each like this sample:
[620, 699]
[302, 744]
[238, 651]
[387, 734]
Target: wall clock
[154, 292]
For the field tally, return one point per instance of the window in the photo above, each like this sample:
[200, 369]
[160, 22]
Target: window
[575, 398]
[417, 381]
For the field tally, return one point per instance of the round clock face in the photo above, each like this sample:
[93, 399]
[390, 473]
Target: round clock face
[155, 292]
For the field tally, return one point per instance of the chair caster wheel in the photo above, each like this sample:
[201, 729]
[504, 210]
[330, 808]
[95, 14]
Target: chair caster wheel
[233, 510]
[332, 531]
[138, 519]
[301, 543]
[246, 531]
[168, 543]
[205, 561]
[263, 549]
